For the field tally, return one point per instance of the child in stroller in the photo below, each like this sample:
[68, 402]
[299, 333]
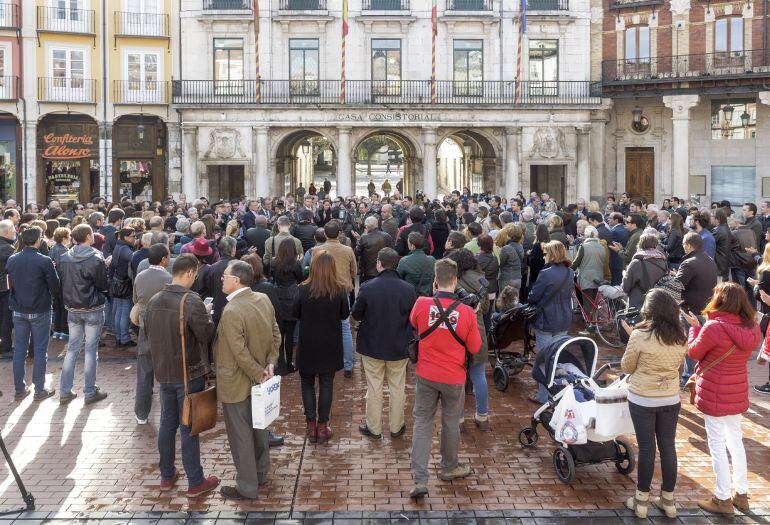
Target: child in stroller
[571, 362]
[511, 340]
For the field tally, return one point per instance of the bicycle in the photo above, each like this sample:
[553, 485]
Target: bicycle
[602, 315]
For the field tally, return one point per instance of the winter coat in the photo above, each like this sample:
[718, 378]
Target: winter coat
[286, 283]
[723, 239]
[511, 263]
[490, 267]
[556, 315]
[557, 234]
[698, 274]
[439, 232]
[724, 389]
[471, 281]
[84, 279]
[368, 249]
[590, 262]
[34, 282]
[418, 270]
[653, 365]
[640, 276]
[673, 246]
[320, 331]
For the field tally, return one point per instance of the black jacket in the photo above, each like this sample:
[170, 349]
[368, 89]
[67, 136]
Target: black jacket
[84, 278]
[439, 232]
[382, 307]
[402, 247]
[367, 249]
[723, 239]
[306, 235]
[320, 331]
[109, 232]
[34, 282]
[6, 250]
[256, 237]
[698, 274]
[211, 286]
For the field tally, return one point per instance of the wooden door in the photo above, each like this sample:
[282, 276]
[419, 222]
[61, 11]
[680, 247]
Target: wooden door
[225, 182]
[640, 173]
[548, 179]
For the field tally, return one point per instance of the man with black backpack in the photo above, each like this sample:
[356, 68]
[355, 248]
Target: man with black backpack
[447, 332]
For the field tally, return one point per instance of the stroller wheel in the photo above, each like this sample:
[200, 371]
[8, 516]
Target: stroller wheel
[625, 461]
[564, 464]
[500, 376]
[528, 437]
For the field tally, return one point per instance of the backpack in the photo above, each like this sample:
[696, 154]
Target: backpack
[668, 283]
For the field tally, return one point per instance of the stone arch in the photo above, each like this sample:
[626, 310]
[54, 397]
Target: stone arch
[398, 164]
[468, 158]
[307, 156]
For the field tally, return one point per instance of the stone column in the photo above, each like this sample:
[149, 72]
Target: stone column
[261, 162]
[680, 166]
[105, 161]
[429, 163]
[190, 162]
[583, 162]
[512, 175]
[344, 175]
[29, 187]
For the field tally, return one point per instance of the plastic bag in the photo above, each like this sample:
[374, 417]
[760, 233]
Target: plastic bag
[265, 402]
[568, 420]
[613, 417]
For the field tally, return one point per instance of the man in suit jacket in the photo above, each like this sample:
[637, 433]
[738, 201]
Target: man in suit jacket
[245, 353]
[253, 210]
[619, 235]
[256, 236]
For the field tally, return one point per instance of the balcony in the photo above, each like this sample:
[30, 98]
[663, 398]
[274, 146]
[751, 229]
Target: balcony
[469, 5]
[66, 20]
[141, 25]
[374, 93]
[620, 4]
[226, 5]
[385, 5]
[67, 90]
[547, 5]
[9, 16]
[302, 5]
[143, 92]
[703, 71]
[9, 89]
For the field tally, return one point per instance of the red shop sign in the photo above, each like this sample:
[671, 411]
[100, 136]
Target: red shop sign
[67, 146]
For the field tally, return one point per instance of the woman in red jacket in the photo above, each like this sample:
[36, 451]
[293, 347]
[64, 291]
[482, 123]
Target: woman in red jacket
[722, 348]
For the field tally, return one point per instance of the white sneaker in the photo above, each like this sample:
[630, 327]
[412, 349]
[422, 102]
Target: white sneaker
[140, 421]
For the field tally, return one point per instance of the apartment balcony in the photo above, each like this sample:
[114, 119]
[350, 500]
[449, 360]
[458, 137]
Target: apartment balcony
[744, 70]
[302, 5]
[143, 92]
[469, 5]
[9, 89]
[66, 20]
[547, 5]
[143, 25]
[226, 5]
[385, 5]
[67, 90]
[9, 16]
[381, 93]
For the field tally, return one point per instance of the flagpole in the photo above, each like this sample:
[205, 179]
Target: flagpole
[344, 38]
[258, 87]
[522, 27]
[434, 32]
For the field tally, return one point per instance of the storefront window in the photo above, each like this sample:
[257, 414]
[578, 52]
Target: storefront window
[62, 179]
[7, 170]
[68, 153]
[136, 179]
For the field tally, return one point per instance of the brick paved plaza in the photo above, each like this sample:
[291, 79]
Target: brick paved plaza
[97, 460]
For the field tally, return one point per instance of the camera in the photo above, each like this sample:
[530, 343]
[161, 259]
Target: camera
[467, 298]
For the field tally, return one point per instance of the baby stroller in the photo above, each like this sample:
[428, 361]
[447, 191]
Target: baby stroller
[568, 365]
[508, 359]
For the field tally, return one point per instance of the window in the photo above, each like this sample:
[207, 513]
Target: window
[228, 66]
[728, 43]
[637, 45]
[6, 72]
[142, 17]
[544, 67]
[141, 72]
[386, 67]
[303, 66]
[468, 67]
[742, 125]
[143, 6]
[68, 9]
[733, 183]
[68, 68]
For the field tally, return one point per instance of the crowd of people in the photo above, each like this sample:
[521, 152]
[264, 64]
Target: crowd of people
[252, 288]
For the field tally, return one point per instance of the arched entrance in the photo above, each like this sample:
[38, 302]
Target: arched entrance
[466, 159]
[383, 164]
[306, 157]
[139, 158]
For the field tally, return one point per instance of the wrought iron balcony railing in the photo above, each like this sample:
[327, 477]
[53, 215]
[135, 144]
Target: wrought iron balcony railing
[73, 90]
[226, 5]
[373, 92]
[468, 5]
[141, 24]
[9, 16]
[146, 92]
[302, 5]
[385, 5]
[9, 89]
[548, 5]
[66, 20]
[686, 67]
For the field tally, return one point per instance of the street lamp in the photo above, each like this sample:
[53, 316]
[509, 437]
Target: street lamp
[637, 115]
[306, 147]
[140, 129]
[727, 109]
[745, 119]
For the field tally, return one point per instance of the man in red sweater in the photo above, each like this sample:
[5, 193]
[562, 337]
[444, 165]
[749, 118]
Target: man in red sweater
[447, 330]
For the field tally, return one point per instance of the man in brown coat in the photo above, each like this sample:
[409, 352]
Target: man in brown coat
[245, 353]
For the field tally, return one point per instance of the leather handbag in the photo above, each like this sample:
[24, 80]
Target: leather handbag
[199, 410]
[691, 381]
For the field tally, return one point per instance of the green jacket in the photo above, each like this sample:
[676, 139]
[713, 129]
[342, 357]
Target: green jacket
[417, 269]
[628, 252]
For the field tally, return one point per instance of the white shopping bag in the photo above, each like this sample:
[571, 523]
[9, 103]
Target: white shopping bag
[567, 420]
[613, 417]
[265, 402]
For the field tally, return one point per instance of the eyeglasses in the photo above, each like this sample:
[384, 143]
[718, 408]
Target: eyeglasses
[224, 275]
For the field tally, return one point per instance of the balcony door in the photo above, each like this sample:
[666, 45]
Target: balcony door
[637, 52]
[544, 68]
[640, 173]
[228, 66]
[142, 75]
[386, 67]
[303, 66]
[68, 76]
[468, 66]
[141, 17]
[68, 15]
[7, 80]
[728, 43]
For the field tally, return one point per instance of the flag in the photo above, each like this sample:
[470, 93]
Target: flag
[523, 16]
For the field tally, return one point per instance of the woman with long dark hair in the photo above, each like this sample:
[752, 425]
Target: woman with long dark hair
[673, 241]
[287, 274]
[320, 306]
[655, 351]
[722, 347]
[536, 258]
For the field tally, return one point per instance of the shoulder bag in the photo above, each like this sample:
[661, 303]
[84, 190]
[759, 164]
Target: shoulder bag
[413, 347]
[199, 410]
[691, 381]
[531, 311]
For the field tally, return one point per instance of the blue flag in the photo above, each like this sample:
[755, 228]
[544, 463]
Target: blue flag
[523, 15]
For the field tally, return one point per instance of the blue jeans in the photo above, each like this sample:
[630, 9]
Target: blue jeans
[37, 326]
[689, 362]
[480, 391]
[543, 340]
[108, 321]
[88, 326]
[121, 308]
[145, 376]
[171, 400]
[347, 345]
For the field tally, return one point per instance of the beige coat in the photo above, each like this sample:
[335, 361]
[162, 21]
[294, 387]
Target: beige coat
[247, 341]
[344, 260]
[654, 366]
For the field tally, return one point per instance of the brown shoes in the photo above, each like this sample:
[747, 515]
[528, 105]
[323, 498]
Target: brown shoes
[324, 433]
[717, 506]
[741, 502]
[312, 432]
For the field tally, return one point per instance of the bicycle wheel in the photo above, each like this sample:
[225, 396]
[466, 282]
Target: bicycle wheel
[607, 325]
